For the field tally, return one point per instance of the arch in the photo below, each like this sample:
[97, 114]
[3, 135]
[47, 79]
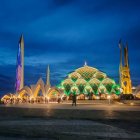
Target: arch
[81, 97]
[108, 81]
[67, 82]
[94, 81]
[86, 72]
[81, 81]
[5, 97]
[52, 90]
[100, 75]
[102, 89]
[114, 96]
[88, 89]
[23, 91]
[64, 96]
[74, 76]
[54, 94]
[74, 89]
[39, 86]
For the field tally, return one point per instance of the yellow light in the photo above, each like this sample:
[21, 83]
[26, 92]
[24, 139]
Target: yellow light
[108, 97]
[97, 97]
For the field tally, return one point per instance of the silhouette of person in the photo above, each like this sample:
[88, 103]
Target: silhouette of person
[74, 99]
[59, 99]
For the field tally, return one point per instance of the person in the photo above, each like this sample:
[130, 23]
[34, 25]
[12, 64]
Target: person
[74, 99]
[58, 99]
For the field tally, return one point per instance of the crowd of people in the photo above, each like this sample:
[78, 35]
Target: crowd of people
[44, 100]
[39, 99]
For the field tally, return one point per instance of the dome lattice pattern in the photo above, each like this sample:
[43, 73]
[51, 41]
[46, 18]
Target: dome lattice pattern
[87, 80]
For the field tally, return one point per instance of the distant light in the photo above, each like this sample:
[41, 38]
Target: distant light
[85, 63]
[97, 97]
[133, 87]
[131, 103]
[108, 97]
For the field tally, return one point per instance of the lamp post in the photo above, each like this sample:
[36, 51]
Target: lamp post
[109, 97]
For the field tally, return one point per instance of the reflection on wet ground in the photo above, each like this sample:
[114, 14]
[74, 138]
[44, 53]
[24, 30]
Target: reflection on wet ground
[63, 129]
[58, 122]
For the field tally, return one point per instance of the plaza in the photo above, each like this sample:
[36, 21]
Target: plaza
[92, 120]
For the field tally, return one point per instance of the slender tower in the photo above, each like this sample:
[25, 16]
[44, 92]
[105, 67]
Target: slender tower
[125, 79]
[20, 66]
[48, 77]
[48, 85]
[126, 56]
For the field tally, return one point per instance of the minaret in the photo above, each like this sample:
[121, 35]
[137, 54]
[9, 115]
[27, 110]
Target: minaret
[126, 56]
[20, 66]
[21, 44]
[128, 87]
[125, 79]
[48, 77]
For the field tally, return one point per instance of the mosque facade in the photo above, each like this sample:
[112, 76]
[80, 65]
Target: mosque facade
[86, 82]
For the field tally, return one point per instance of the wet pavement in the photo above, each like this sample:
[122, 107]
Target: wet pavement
[62, 121]
[57, 129]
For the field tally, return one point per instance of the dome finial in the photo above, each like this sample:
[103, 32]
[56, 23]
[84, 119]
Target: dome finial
[85, 63]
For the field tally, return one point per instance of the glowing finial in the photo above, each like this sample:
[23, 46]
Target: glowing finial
[85, 63]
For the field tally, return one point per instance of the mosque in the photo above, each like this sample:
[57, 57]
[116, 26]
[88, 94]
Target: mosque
[86, 82]
[89, 83]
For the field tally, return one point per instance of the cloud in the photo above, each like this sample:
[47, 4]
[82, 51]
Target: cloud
[65, 33]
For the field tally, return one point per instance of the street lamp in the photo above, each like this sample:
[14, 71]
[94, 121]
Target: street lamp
[109, 97]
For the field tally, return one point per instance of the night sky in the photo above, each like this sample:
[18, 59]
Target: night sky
[64, 34]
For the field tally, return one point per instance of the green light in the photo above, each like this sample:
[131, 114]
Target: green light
[87, 80]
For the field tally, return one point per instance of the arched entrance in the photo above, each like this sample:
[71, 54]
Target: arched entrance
[24, 95]
[81, 97]
[53, 94]
[39, 94]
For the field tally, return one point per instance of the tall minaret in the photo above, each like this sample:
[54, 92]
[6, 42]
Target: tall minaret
[125, 79]
[20, 66]
[126, 56]
[48, 77]
[21, 43]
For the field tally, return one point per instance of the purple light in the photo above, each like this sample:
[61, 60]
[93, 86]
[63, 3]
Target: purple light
[18, 70]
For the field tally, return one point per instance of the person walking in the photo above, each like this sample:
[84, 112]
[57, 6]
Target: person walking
[74, 99]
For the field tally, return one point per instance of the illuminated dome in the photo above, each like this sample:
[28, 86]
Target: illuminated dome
[86, 72]
[88, 80]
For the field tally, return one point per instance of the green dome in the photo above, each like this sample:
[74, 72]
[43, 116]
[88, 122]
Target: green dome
[86, 80]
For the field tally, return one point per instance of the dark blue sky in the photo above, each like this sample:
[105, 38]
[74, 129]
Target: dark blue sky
[64, 34]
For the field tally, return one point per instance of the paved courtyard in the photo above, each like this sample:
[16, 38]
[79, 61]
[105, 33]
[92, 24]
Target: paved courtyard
[63, 121]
